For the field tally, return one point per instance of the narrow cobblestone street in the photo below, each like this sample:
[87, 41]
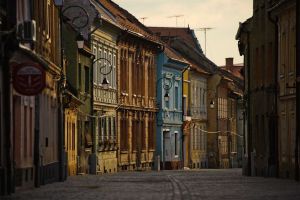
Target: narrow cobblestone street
[201, 184]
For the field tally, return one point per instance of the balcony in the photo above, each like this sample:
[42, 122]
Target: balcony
[105, 96]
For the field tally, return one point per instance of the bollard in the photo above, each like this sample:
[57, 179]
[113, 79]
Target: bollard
[158, 163]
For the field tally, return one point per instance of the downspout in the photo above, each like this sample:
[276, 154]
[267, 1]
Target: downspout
[61, 121]
[275, 113]
[93, 158]
[297, 169]
[249, 137]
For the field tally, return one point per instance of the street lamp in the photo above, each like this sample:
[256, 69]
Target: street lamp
[167, 85]
[80, 41]
[105, 82]
[212, 104]
[167, 96]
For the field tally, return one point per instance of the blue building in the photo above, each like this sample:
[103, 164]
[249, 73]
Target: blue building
[170, 66]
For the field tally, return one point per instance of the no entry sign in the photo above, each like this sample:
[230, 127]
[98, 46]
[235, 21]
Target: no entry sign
[29, 78]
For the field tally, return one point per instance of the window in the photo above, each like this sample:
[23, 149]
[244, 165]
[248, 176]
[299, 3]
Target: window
[73, 136]
[48, 19]
[98, 67]
[151, 131]
[113, 132]
[176, 144]
[104, 128]
[25, 131]
[79, 76]
[123, 134]
[143, 134]
[109, 128]
[95, 73]
[30, 130]
[114, 71]
[134, 134]
[110, 64]
[184, 106]
[87, 79]
[176, 98]
[222, 108]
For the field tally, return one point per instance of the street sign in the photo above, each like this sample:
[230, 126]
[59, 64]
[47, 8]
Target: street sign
[29, 78]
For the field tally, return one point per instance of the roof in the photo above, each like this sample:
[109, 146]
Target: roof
[185, 34]
[227, 74]
[184, 41]
[235, 70]
[243, 28]
[127, 20]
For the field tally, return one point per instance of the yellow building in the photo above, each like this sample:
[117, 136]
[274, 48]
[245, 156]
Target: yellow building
[186, 119]
[71, 132]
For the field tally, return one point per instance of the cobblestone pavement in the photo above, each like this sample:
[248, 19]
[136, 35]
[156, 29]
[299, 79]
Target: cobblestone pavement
[200, 184]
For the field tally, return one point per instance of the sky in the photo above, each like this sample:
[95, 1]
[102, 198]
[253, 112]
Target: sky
[221, 15]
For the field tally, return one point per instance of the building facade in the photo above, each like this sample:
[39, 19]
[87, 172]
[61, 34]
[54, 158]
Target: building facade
[184, 41]
[261, 96]
[186, 131]
[198, 107]
[136, 79]
[268, 42]
[169, 118]
[286, 80]
[105, 103]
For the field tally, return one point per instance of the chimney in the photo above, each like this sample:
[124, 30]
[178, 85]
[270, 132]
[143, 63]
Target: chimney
[229, 62]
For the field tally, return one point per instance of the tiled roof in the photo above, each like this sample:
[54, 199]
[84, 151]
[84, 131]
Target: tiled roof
[235, 70]
[185, 37]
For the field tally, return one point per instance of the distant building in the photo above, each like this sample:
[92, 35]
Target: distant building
[170, 66]
[184, 41]
[235, 110]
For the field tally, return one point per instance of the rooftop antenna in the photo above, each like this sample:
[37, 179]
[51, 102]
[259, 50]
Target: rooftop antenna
[204, 29]
[176, 16]
[143, 18]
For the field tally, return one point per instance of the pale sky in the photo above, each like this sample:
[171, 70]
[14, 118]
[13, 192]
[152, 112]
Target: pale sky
[222, 15]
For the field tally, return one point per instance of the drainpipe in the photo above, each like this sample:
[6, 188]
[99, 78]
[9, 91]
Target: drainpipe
[275, 159]
[297, 169]
[249, 128]
[93, 156]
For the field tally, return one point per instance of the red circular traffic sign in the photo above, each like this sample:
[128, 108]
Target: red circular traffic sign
[29, 78]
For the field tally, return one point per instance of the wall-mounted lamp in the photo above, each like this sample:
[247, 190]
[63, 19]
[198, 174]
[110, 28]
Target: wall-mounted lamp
[212, 104]
[105, 83]
[167, 96]
[80, 41]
